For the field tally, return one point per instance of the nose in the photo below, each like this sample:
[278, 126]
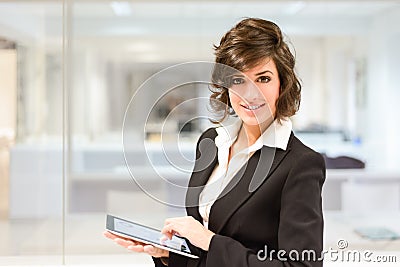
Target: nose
[249, 92]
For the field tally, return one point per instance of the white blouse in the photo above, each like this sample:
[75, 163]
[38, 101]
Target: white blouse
[276, 135]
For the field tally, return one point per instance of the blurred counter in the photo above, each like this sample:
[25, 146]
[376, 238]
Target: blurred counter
[36, 179]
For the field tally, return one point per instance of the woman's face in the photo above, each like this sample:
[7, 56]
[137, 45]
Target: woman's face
[254, 92]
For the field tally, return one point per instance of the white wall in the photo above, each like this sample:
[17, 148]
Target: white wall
[327, 67]
[383, 128]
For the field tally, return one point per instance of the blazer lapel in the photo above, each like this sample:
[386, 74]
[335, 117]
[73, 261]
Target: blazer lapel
[206, 159]
[251, 176]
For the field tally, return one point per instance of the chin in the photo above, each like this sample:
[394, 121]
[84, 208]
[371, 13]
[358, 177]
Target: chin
[253, 121]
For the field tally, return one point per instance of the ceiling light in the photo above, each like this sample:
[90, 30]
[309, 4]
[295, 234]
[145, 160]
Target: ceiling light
[121, 9]
[295, 8]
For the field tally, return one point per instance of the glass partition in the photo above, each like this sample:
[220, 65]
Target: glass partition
[31, 131]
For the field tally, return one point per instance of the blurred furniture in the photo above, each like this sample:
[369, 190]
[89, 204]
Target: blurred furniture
[343, 162]
[362, 190]
[99, 172]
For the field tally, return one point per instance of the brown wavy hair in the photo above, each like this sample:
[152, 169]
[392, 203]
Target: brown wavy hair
[245, 46]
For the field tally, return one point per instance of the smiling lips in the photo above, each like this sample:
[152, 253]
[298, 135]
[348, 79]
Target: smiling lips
[252, 107]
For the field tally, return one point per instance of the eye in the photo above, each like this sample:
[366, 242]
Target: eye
[237, 80]
[263, 79]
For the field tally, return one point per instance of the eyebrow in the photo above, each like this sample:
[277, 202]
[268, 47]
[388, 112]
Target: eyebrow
[263, 72]
[257, 74]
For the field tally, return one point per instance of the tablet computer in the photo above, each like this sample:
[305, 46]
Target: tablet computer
[148, 235]
[377, 233]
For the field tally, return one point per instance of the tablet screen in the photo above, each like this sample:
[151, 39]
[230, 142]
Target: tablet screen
[147, 235]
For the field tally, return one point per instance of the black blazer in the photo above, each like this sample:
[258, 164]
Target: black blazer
[273, 203]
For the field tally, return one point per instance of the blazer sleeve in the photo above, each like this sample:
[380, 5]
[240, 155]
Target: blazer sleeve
[158, 263]
[174, 260]
[300, 225]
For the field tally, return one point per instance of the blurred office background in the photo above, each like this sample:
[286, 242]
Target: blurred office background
[68, 70]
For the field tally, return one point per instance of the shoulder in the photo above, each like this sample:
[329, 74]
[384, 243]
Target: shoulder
[206, 140]
[210, 133]
[298, 148]
[305, 166]
[302, 154]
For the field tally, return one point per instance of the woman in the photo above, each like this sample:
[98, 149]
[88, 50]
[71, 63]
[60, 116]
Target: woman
[258, 200]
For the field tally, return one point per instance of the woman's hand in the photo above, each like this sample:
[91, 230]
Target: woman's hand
[189, 228]
[137, 246]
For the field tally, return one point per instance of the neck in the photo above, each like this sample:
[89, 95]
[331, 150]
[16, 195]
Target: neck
[253, 132]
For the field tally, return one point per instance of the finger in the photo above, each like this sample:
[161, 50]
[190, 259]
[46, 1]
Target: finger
[149, 249]
[168, 236]
[109, 235]
[164, 238]
[167, 231]
[136, 248]
[114, 237]
[154, 251]
[124, 242]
